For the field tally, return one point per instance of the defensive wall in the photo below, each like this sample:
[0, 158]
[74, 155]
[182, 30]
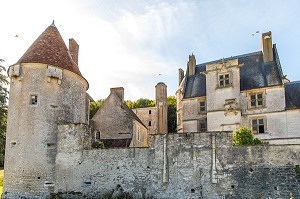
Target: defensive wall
[181, 165]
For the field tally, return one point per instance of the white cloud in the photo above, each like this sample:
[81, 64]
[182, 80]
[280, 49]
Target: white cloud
[128, 43]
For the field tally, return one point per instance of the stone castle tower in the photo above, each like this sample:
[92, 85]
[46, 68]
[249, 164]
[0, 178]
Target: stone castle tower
[162, 107]
[46, 90]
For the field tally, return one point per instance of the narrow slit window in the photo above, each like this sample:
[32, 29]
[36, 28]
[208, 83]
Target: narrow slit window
[202, 106]
[33, 99]
[149, 123]
[149, 112]
[202, 126]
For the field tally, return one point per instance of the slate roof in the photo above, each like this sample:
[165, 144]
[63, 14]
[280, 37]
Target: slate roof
[49, 48]
[292, 95]
[116, 143]
[253, 74]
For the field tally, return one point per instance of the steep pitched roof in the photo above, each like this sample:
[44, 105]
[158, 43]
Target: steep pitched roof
[292, 95]
[253, 74]
[49, 48]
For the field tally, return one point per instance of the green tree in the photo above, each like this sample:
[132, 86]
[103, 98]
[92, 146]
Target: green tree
[142, 103]
[172, 116]
[244, 136]
[94, 106]
[3, 110]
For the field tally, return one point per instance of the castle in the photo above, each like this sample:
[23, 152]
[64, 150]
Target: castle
[49, 134]
[246, 90]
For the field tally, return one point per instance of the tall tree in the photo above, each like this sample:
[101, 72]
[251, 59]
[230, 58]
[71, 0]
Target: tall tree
[172, 116]
[3, 110]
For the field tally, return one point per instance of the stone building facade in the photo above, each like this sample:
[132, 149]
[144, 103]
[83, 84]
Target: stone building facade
[246, 90]
[116, 125]
[156, 118]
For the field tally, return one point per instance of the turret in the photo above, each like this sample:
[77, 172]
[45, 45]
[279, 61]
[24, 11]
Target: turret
[162, 107]
[46, 90]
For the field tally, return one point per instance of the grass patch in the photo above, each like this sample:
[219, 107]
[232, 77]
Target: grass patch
[1, 181]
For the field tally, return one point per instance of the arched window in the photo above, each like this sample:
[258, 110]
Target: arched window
[97, 136]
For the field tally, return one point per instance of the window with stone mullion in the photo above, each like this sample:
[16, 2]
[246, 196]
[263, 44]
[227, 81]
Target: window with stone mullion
[256, 100]
[258, 126]
[224, 80]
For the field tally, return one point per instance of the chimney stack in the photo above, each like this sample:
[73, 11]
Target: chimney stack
[180, 76]
[119, 91]
[191, 65]
[267, 47]
[74, 50]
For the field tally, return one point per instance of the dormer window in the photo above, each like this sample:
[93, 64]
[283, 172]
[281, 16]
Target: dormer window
[224, 80]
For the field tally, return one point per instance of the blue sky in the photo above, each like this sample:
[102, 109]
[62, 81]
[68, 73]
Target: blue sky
[129, 43]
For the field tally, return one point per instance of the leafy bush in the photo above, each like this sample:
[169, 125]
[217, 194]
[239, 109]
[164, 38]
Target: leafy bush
[244, 136]
[98, 145]
[297, 169]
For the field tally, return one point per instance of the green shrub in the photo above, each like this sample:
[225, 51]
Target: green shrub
[98, 145]
[244, 136]
[297, 169]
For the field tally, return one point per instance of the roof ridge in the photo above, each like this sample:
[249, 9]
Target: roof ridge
[230, 58]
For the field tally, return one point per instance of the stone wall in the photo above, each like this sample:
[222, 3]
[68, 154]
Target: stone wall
[186, 165]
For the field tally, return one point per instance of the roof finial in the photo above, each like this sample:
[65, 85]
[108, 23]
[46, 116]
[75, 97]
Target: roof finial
[53, 23]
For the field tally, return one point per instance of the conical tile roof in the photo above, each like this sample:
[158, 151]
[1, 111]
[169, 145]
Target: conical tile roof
[50, 48]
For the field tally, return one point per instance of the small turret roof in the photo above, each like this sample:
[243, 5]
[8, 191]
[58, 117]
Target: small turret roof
[50, 48]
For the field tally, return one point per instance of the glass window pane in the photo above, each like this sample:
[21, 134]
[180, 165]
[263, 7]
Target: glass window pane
[254, 128]
[202, 103]
[227, 76]
[221, 83]
[254, 122]
[221, 76]
[261, 121]
[252, 97]
[259, 103]
[253, 103]
[227, 82]
[259, 96]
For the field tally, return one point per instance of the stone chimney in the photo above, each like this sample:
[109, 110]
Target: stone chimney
[180, 76]
[119, 91]
[266, 46]
[74, 50]
[162, 108]
[191, 65]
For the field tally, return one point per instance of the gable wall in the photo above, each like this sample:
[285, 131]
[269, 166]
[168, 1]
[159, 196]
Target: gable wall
[112, 120]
